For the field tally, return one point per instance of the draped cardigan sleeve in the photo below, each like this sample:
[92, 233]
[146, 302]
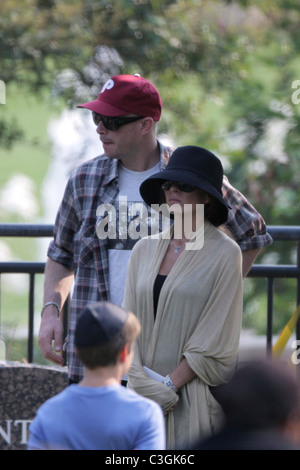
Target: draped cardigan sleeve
[198, 317]
[138, 380]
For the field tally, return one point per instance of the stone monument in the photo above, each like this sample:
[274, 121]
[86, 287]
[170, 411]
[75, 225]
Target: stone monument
[23, 388]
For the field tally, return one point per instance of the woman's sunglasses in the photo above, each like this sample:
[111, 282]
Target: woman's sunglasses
[113, 123]
[186, 188]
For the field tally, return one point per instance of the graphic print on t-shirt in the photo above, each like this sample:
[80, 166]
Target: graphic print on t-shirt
[132, 222]
[127, 222]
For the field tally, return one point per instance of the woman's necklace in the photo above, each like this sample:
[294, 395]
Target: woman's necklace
[177, 248]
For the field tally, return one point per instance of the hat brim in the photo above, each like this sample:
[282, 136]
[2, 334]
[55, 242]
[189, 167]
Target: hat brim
[103, 108]
[151, 191]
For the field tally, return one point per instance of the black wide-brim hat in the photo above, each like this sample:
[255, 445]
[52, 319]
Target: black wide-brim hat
[195, 166]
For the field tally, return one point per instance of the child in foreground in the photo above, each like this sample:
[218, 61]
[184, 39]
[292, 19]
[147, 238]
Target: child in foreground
[99, 413]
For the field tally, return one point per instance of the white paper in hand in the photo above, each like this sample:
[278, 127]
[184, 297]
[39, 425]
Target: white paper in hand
[153, 375]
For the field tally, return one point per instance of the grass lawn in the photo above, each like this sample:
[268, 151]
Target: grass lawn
[30, 157]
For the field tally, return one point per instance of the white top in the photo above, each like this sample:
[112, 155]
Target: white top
[128, 213]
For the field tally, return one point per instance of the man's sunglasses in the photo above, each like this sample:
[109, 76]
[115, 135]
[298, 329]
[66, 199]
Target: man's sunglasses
[186, 188]
[113, 123]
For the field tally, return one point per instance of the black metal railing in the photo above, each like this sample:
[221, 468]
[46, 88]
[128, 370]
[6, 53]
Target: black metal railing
[270, 272]
[30, 268]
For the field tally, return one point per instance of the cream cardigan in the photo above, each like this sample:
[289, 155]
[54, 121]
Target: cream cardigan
[198, 317]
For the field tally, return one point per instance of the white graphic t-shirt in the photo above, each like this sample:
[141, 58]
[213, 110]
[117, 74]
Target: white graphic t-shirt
[130, 211]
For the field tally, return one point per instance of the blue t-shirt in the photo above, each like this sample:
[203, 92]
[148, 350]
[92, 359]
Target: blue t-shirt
[98, 418]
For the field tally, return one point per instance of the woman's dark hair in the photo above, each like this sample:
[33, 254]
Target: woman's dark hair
[214, 211]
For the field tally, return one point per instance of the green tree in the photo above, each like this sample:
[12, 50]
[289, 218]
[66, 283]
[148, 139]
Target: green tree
[225, 71]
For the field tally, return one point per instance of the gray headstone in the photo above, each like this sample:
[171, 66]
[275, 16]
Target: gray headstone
[23, 388]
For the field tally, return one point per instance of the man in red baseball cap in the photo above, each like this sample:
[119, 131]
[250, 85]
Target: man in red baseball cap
[127, 94]
[123, 100]
[125, 113]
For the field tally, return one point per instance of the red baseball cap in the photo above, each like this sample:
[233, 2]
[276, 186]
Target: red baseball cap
[124, 94]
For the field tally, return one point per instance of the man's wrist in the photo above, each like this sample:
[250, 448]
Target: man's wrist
[48, 304]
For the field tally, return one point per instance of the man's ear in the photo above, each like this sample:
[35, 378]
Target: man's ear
[147, 124]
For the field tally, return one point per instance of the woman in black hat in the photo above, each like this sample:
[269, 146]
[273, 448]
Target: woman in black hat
[185, 286]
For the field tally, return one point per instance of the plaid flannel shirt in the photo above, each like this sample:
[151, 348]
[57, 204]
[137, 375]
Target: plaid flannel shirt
[77, 247]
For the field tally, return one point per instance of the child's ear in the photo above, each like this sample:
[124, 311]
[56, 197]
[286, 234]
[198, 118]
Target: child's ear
[124, 352]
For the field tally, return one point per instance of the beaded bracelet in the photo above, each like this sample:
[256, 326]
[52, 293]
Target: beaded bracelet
[50, 303]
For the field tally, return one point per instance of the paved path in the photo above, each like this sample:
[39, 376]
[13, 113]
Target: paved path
[253, 346]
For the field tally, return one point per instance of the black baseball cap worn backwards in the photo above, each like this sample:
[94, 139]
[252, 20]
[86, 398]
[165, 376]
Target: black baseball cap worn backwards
[98, 323]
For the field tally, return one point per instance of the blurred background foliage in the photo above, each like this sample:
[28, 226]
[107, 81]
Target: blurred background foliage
[227, 72]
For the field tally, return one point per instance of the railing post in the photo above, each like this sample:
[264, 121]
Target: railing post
[30, 346]
[270, 315]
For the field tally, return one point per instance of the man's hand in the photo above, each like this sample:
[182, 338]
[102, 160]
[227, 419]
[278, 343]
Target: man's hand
[51, 329]
[57, 285]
